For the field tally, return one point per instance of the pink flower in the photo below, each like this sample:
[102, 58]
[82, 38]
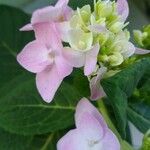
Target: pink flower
[91, 131]
[88, 59]
[97, 91]
[58, 13]
[123, 9]
[44, 57]
[141, 51]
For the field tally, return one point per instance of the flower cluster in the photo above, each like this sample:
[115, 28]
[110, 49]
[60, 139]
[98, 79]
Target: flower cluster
[96, 40]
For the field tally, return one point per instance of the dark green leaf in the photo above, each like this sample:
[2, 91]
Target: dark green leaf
[13, 142]
[22, 110]
[11, 41]
[139, 104]
[121, 86]
[46, 142]
[74, 3]
[139, 115]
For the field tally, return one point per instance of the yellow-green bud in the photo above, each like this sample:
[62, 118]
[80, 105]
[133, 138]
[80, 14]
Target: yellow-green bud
[103, 37]
[142, 38]
[103, 58]
[104, 8]
[116, 27]
[139, 36]
[115, 59]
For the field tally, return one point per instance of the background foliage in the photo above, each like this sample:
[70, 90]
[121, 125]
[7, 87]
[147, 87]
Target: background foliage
[26, 122]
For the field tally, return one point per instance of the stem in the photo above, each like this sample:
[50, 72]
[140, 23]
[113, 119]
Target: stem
[49, 139]
[105, 114]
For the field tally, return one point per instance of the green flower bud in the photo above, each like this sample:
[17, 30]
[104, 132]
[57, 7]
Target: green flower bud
[142, 38]
[116, 27]
[84, 13]
[81, 18]
[115, 59]
[139, 37]
[104, 8]
[80, 40]
[103, 37]
[103, 58]
[107, 10]
[146, 41]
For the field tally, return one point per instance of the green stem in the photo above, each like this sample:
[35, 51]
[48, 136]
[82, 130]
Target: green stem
[104, 112]
[49, 139]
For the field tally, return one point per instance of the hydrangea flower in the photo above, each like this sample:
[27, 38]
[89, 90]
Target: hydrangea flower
[91, 132]
[100, 27]
[44, 57]
[95, 39]
[58, 13]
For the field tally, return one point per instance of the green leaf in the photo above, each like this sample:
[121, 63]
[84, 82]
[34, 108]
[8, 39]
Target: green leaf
[139, 104]
[74, 3]
[46, 142]
[22, 110]
[139, 115]
[14, 142]
[11, 41]
[121, 86]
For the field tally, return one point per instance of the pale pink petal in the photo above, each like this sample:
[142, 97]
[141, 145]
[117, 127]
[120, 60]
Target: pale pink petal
[85, 106]
[68, 12]
[141, 51]
[46, 14]
[110, 141]
[97, 28]
[63, 67]
[62, 3]
[34, 57]
[97, 91]
[90, 133]
[48, 34]
[91, 60]
[63, 29]
[90, 128]
[48, 81]
[123, 9]
[74, 58]
[70, 141]
[27, 27]
[82, 138]
[129, 50]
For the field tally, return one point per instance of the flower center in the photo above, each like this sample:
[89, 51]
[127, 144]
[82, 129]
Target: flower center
[92, 143]
[51, 57]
